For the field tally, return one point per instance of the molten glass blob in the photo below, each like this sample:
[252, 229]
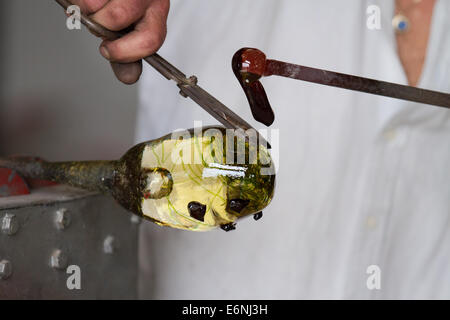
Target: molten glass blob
[209, 187]
[249, 66]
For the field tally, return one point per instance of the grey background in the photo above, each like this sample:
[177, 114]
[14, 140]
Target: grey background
[59, 97]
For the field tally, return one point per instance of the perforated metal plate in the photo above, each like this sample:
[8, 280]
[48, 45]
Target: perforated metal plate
[55, 227]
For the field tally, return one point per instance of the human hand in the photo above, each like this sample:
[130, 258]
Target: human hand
[146, 20]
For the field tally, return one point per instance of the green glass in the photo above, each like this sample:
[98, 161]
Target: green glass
[194, 180]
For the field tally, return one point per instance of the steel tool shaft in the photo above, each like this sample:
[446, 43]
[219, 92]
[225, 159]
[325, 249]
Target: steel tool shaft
[188, 86]
[351, 82]
[250, 65]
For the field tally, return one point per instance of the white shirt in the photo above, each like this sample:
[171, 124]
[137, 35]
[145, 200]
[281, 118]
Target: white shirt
[362, 180]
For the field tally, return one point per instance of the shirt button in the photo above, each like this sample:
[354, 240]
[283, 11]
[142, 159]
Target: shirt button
[395, 137]
[389, 134]
[371, 222]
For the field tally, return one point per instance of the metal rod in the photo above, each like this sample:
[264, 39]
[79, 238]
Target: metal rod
[188, 86]
[346, 81]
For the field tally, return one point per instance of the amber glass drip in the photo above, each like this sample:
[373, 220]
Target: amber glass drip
[248, 66]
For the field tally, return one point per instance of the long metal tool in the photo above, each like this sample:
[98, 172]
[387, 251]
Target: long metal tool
[250, 65]
[351, 82]
[188, 86]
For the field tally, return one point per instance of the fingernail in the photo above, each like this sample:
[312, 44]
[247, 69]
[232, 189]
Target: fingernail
[104, 52]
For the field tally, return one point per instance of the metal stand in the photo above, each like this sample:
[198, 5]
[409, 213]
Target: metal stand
[53, 228]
